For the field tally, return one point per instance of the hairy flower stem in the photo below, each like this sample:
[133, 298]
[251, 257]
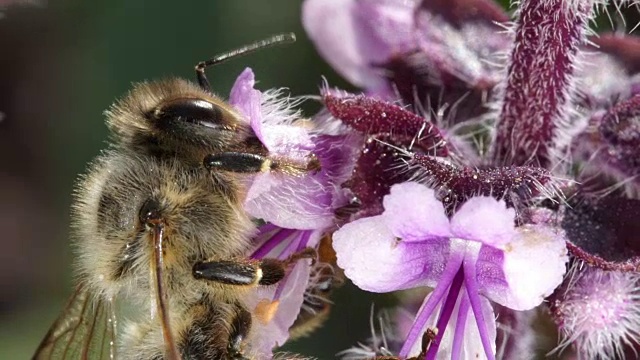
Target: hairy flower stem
[539, 80]
[620, 127]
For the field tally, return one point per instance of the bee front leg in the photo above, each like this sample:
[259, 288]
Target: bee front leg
[238, 162]
[248, 271]
[244, 162]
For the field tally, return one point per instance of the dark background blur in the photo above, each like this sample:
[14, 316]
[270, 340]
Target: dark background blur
[61, 65]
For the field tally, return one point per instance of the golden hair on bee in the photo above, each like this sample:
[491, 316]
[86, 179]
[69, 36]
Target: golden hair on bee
[161, 235]
[174, 117]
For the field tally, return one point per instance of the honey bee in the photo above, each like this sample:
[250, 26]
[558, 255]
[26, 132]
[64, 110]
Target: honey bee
[158, 225]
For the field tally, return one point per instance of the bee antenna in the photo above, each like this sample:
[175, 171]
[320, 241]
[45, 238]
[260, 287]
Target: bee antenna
[279, 39]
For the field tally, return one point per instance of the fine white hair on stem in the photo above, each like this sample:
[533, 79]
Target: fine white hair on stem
[599, 313]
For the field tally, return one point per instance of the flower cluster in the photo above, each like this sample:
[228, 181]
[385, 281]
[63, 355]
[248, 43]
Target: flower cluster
[484, 158]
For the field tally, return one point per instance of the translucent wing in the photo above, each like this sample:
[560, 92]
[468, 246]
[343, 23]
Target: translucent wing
[84, 330]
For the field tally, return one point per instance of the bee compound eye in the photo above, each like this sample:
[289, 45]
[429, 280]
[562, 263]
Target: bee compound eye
[190, 110]
[150, 212]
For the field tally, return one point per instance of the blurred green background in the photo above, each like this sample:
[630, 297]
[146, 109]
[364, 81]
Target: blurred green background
[61, 66]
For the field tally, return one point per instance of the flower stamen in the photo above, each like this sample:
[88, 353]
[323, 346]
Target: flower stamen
[446, 312]
[473, 291]
[430, 303]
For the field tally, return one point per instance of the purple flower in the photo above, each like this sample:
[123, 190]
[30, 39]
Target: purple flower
[599, 312]
[370, 32]
[433, 51]
[297, 199]
[479, 254]
[307, 198]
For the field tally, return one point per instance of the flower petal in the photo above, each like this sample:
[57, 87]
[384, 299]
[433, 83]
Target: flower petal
[386, 28]
[293, 142]
[353, 35]
[375, 261]
[291, 202]
[533, 265]
[412, 212]
[484, 219]
[246, 99]
[471, 343]
[306, 201]
[273, 332]
[330, 24]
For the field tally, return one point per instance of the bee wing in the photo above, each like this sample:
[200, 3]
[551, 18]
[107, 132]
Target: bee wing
[84, 330]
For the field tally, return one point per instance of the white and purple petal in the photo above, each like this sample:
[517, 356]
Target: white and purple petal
[354, 36]
[290, 202]
[270, 332]
[246, 99]
[375, 260]
[412, 212]
[527, 271]
[461, 331]
[484, 219]
[305, 201]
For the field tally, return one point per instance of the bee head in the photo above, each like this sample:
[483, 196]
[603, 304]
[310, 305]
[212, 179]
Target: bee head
[175, 117]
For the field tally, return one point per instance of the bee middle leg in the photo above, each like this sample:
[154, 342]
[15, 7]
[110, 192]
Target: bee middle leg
[240, 327]
[248, 271]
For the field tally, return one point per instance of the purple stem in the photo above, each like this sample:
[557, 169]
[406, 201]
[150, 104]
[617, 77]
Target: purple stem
[450, 271]
[271, 243]
[471, 284]
[461, 323]
[445, 314]
[539, 79]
